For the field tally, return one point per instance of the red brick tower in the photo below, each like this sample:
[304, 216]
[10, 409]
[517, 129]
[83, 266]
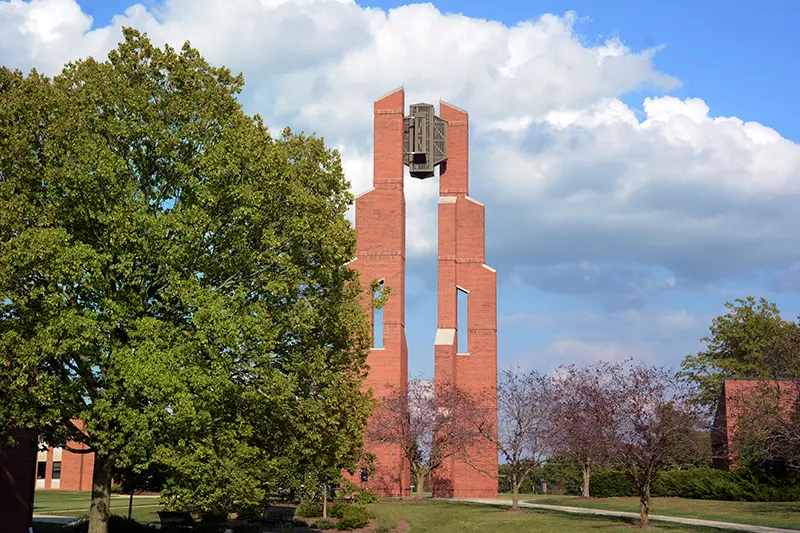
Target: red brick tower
[423, 141]
[462, 267]
[381, 255]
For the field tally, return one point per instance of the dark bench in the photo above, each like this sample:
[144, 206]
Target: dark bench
[276, 515]
[175, 518]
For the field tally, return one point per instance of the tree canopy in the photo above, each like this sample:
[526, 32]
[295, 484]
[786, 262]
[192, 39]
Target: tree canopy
[174, 277]
[752, 340]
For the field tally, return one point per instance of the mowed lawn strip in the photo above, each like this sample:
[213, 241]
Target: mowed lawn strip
[76, 503]
[443, 517]
[772, 514]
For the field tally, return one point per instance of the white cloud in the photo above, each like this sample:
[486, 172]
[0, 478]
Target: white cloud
[704, 197]
[571, 176]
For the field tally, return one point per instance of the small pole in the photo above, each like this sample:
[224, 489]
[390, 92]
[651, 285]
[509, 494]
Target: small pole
[325, 500]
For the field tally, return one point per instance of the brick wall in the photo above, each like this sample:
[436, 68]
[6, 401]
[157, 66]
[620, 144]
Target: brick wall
[734, 401]
[462, 257]
[381, 255]
[17, 474]
[76, 468]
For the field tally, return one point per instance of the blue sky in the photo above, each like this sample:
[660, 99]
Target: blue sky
[740, 57]
[626, 199]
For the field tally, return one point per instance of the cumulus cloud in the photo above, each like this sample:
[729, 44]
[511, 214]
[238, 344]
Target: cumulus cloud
[578, 185]
[706, 198]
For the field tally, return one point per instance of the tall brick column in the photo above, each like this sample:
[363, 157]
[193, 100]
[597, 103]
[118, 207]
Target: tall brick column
[462, 266]
[381, 255]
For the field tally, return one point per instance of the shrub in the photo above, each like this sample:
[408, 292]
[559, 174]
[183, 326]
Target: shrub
[339, 510]
[367, 496]
[116, 524]
[299, 522]
[701, 483]
[250, 511]
[736, 485]
[214, 516]
[324, 524]
[704, 484]
[309, 509]
[611, 484]
[353, 517]
[123, 524]
[350, 491]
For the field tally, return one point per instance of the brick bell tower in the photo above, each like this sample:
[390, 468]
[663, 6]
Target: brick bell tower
[423, 141]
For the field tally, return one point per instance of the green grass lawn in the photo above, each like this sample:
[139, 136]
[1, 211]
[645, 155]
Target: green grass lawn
[431, 516]
[774, 514]
[75, 503]
[443, 517]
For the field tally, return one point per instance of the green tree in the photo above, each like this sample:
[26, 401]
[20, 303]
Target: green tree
[750, 341]
[174, 277]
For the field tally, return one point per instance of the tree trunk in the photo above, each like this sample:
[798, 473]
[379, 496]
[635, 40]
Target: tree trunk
[420, 492]
[514, 492]
[644, 505]
[587, 473]
[130, 505]
[100, 509]
[325, 501]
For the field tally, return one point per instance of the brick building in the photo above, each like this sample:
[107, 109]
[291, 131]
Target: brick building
[735, 401]
[31, 465]
[17, 465]
[60, 469]
[380, 256]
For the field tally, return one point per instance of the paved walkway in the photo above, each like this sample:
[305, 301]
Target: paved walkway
[622, 514]
[52, 519]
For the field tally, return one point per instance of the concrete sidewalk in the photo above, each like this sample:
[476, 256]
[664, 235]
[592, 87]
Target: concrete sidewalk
[52, 519]
[622, 514]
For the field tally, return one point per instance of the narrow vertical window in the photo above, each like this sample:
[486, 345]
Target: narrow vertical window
[463, 321]
[41, 470]
[377, 320]
[56, 470]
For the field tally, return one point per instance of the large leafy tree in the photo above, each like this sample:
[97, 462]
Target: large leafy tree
[174, 277]
[752, 340]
